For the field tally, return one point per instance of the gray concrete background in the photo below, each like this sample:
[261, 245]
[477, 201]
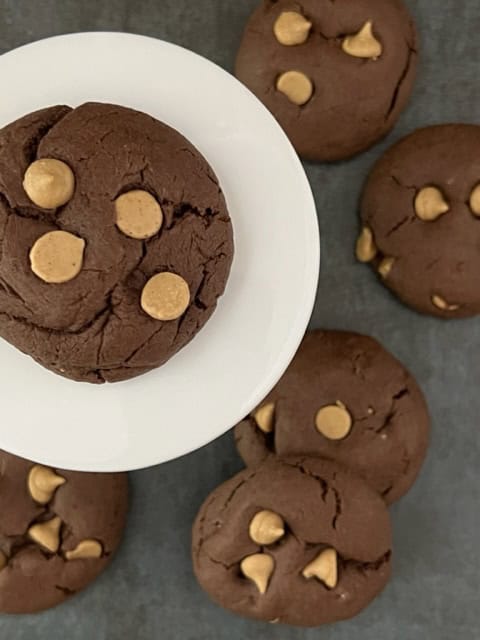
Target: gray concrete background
[149, 592]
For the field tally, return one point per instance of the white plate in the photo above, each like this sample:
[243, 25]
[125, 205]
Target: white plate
[242, 351]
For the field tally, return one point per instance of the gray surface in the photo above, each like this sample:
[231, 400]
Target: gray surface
[150, 592]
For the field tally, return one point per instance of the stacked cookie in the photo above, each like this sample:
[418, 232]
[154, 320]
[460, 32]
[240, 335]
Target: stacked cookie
[302, 536]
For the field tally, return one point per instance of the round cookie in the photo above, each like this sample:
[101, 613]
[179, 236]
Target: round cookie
[115, 240]
[344, 397]
[299, 541]
[421, 220]
[58, 531]
[336, 75]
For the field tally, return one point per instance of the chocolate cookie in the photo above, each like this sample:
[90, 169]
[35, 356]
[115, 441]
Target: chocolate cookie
[115, 240]
[300, 542]
[58, 531]
[421, 220]
[336, 75]
[344, 397]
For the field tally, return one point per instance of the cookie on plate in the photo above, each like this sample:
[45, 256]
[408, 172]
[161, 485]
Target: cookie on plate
[336, 75]
[421, 220]
[58, 531]
[115, 240]
[344, 397]
[302, 542]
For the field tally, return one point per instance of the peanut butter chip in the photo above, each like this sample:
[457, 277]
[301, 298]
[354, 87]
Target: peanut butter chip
[442, 304]
[49, 183]
[42, 483]
[139, 215]
[324, 568]
[366, 249]
[166, 296]
[296, 86]
[291, 28]
[3, 560]
[85, 550]
[266, 528]
[265, 417]
[258, 568]
[47, 534]
[385, 266]
[334, 421]
[57, 257]
[475, 201]
[363, 44]
[430, 204]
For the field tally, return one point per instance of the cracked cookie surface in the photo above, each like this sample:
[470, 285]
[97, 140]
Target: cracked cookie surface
[329, 556]
[58, 531]
[421, 207]
[336, 75]
[93, 327]
[344, 397]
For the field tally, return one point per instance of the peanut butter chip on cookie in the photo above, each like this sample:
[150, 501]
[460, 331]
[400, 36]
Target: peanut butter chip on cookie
[166, 296]
[475, 201]
[258, 568]
[385, 266]
[296, 86]
[85, 550]
[430, 204]
[266, 527]
[442, 304]
[49, 183]
[291, 28]
[47, 534]
[363, 44]
[366, 249]
[324, 568]
[139, 215]
[265, 417]
[42, 483]
[334, 421]
[57, 257]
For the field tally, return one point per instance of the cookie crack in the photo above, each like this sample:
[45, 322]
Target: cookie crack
[338, 507]
[236, 489]
[225, 565]
[326, 489]
[392, 412]
[66, 590]
[204, 539]
[29, 212]
[9, 290]
[323, 483]
[364, 567]
[398, 225]
[402, 184]
[393, 103]
[357, 369]
[31, 148]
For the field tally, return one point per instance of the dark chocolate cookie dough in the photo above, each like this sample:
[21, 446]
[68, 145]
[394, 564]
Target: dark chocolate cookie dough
[115, 240]
[300, 542]
[58, 531]
[336, 75]
[421, 220]
[344, 397]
